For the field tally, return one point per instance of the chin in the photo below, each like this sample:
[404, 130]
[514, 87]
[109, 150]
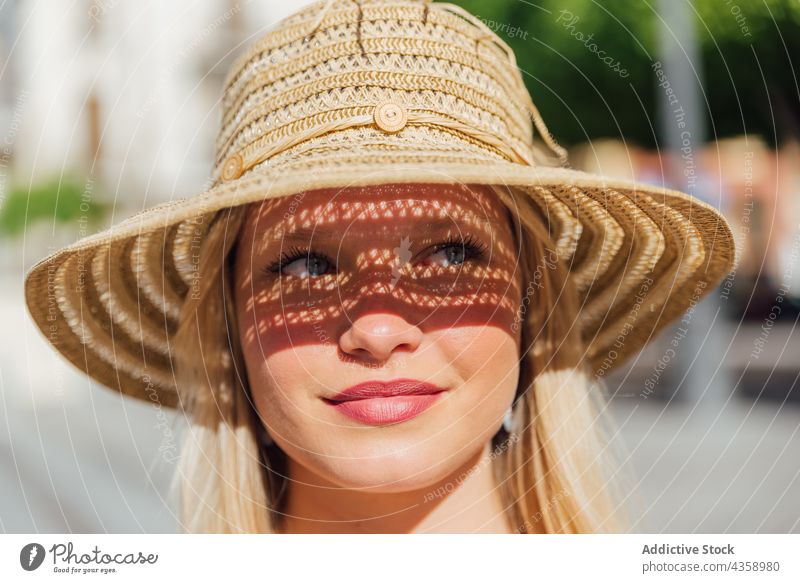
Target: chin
[402, 466]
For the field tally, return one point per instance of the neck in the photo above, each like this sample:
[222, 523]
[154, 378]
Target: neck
[465, 501]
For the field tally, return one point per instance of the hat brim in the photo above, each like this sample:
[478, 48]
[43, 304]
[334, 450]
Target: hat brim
[639, 255]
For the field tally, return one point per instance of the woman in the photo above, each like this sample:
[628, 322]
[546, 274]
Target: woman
[391, 312]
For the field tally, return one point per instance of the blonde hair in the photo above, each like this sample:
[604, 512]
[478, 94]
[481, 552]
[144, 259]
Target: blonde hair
[557, 472]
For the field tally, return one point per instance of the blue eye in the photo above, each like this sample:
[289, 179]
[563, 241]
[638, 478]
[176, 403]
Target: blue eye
[311, 265]
[455, 252]
[300, 263]
[450, 255]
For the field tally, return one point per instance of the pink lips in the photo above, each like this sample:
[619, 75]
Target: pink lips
[381, 403]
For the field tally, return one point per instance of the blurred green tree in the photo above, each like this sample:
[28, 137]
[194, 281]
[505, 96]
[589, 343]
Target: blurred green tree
[588, 64]
[61, 201]
[750, 54]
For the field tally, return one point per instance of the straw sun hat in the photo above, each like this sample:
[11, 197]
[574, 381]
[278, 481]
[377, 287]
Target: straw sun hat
[345, 93]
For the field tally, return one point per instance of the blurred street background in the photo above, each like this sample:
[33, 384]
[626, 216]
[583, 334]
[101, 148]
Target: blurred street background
[111, 106]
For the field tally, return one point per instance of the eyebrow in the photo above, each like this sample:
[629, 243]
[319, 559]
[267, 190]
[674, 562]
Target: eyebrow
[306, 234]
[446, 222]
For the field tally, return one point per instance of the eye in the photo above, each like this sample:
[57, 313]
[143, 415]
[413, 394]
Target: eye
[455, 251]
[300, 263]
[311, 265]
[447, 256]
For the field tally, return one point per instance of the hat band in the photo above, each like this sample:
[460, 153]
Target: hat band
[389, 116]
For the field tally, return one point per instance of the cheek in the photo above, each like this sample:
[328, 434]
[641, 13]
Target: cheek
[482, 340]
[280, 382]
[487, 359]
[277, 366]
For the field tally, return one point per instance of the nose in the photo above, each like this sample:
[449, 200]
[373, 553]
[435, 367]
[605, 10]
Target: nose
[378, 335]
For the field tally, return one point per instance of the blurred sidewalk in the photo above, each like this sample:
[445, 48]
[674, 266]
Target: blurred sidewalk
[730, 470]
[74, 457]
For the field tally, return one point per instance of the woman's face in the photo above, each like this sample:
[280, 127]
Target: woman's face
[410, 283]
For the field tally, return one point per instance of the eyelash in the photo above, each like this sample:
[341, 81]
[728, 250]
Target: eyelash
[286, 258]
[473, 249]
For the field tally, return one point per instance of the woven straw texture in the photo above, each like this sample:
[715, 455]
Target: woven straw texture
[346, 94]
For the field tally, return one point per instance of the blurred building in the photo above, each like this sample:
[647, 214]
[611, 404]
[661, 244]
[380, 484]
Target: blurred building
[125, 92]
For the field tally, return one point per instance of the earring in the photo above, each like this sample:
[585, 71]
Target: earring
[508, 419]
